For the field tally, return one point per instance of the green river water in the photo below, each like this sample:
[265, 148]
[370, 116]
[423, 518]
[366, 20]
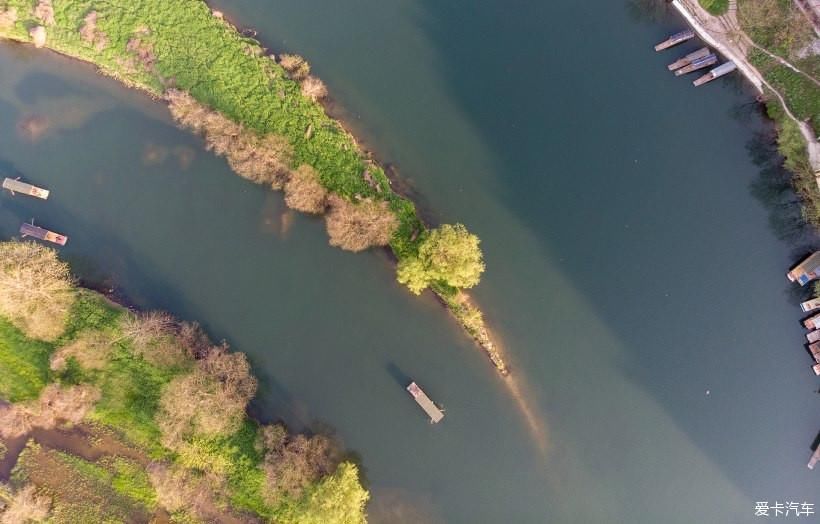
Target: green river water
[635, 253]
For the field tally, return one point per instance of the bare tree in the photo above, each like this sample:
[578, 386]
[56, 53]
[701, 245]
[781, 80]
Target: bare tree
[36, 289]
[304, 192]
[26, 506]
[358, 226]
[314, 88]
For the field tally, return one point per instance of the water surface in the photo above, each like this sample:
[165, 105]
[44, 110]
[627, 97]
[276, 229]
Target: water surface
[630, 267]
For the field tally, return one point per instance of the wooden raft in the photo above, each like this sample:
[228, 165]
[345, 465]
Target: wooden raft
[15, 186]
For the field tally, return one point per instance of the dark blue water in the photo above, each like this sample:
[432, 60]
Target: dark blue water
[635, 254]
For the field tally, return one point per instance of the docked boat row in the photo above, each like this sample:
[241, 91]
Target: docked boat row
[696, 60]
[15, 186]
[803, 273]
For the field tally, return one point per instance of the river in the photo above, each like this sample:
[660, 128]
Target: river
[635, 277]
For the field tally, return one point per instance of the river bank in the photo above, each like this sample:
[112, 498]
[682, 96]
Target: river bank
[270, 124]
[169, 406]
[725, 33]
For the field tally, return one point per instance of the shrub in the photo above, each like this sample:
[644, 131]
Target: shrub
[153, 336]
[44, 12]
[208, 401]
[295, 65]
[36, 291]
[26, 506]
[8, 17]
[304, 192]
[92, 350]
[337, 499]
[358, 226]
[56, 404]
[449, 254]
[264, 159]
[314, 88]
[292, 462]
[179, 490]
[91, 34]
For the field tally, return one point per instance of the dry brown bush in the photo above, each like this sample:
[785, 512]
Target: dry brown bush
[210, 400]
[92, 350]
[143, 51]
[91, 34]
[153, 336]
[296, 66]
[36, 289]
[264, 159]
[8, 17]
[304, 192]
[26, 506]
[294, 461]
[356, 227]
[44, 11]
[56, 404]
[177, 489]
[314, 88]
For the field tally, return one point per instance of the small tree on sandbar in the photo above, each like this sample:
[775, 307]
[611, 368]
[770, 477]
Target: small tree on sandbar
[449, 254]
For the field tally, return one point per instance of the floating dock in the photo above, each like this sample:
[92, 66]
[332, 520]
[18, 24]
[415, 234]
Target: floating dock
[810, 305]
[426, 404]
[675, 39]
[813, 336]
[814, 458]
[688, 59]
[30, 230]
[806, 271]
[15, 186]
[717, 72]
[700, 63]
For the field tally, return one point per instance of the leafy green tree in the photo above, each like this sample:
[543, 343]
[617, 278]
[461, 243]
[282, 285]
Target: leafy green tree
[450, 254]
[337, 499]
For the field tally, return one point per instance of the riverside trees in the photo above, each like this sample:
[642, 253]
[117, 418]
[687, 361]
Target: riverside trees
[450, 255]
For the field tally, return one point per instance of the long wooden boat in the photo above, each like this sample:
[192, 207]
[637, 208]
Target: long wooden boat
[15, 186]
[688, 59]
[426, 404]
[30, 230]
[810, 305]
[806, 271]
[675, 39]
[700, 63]
[813, 336]
[717, 72]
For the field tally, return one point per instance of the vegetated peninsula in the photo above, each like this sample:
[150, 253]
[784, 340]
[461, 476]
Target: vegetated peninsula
[114, 416]
[262, 113]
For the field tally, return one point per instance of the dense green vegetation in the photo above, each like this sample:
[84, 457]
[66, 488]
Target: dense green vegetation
[259, 111]
[716, 7]
[781, 28]
[170, 397]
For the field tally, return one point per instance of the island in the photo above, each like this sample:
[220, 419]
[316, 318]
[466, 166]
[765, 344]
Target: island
[263, 113]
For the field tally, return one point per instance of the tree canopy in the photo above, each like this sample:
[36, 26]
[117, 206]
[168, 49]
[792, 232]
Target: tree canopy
[450, 254]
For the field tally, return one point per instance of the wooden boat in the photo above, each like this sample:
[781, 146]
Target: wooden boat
[814, 458]
[700, 63]
[816, 369]
[426, 404]
[806, 271]
[812, 322]
[688, 59]
[810, 305]
[30, 230]
[717, 72]
[15, 186]
[675, 39]
[813, 336]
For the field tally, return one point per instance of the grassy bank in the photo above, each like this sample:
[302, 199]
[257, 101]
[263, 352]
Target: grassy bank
[715, 7]
[260, 111]
[780, 28]
[171, 405]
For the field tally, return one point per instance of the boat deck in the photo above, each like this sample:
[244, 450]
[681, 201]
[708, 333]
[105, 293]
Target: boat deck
[426, 404]
[15, 186]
